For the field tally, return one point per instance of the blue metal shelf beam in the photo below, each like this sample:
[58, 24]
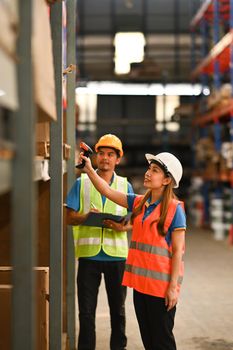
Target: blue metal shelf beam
[216, 37]
[231, 120]
[212, 11]
[204, 77]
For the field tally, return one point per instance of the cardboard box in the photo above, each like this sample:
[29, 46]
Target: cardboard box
[43, 132]
[43, 67]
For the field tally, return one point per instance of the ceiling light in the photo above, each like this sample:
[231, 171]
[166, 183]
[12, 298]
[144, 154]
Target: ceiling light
[114, 88]
[129, 48]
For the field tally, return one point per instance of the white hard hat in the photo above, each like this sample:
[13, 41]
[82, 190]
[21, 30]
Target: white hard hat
[169, 163]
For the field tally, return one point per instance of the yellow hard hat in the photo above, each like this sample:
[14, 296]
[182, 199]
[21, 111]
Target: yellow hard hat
[110, 140]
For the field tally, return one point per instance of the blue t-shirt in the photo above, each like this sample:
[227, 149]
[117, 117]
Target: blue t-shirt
[73, 202]
[179, 220]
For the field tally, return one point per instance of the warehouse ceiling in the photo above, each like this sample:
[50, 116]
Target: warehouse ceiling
[164, 23]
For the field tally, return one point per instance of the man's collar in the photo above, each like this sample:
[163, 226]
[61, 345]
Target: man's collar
[112, 178]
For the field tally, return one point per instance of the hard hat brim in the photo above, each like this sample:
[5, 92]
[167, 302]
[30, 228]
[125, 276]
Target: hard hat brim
[151, 157]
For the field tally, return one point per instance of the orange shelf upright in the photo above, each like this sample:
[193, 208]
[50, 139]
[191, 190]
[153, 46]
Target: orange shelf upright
[220, 52]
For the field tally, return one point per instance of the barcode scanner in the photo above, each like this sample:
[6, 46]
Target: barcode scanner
[86, 152]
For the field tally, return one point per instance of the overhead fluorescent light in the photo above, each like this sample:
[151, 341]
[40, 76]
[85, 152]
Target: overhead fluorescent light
[182, 89]
[129, 48]
[115, 88]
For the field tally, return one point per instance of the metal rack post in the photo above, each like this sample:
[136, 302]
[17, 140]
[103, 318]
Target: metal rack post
[217, 80]
[24, 194]
[204, 31]
[56, 191]
[231, 119]
[204, 76]
[231, 66]
[193, 64]
[71, 58]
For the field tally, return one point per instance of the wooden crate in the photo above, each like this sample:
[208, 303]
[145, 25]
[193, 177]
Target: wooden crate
[42, 306]
[5, 316]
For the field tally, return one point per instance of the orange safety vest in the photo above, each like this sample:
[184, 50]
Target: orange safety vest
[148, 266]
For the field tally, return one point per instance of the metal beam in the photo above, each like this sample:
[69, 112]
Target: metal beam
[200, 14]
[56, 191]
[70, 115]
[24, 194]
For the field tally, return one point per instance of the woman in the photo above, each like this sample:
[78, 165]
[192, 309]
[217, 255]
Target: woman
[154, 267]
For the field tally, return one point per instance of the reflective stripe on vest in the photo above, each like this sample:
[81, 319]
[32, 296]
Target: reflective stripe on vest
[121, 188]
[97, 241]
[149, 262]
[150, 249]
[151, 274]
[89, 239]
[87, 194]
[115, 242]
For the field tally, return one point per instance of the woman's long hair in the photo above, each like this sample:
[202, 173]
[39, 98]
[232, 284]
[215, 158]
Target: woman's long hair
[168, 195]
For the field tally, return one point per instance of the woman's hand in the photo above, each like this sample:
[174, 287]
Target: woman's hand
[101, 185]
[88, 166]
[171, 297]
[177, 253]
[117, 226]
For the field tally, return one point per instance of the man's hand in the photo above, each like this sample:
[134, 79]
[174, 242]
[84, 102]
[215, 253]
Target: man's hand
[74, 218]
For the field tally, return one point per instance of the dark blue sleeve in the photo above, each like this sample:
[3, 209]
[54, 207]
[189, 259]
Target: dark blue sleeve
[179, 221]
[73, 197]
[130, 199]
[130, 188]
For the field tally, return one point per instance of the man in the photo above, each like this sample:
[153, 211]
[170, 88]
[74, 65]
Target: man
[100, 250]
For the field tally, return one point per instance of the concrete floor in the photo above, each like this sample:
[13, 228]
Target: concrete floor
[204, 319]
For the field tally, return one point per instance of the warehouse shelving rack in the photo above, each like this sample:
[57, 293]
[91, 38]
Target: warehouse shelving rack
[219, 60]
[21, 173]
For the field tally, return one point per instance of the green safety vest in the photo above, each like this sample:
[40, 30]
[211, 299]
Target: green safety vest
[88, 239]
